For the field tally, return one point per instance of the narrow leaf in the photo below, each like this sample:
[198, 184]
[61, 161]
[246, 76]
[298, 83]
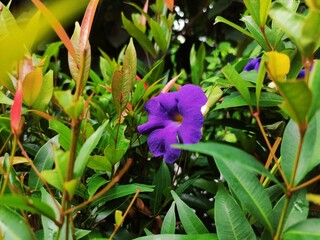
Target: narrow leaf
[169, 221]
[190, 221]
[86, 150]
[230, 220]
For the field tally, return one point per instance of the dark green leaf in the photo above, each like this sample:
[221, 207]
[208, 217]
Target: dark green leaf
[161, 181]
[122, 191]
[207, 236]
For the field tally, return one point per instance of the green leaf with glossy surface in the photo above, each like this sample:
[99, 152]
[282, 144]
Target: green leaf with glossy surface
[190, 221]
[230, 220]
[10, 218]
[207, 236]
[161, 181]
[159, 35]
[238, 169]
[253, 7]
[297, 99]
[137, 34]
[122, 191]
[197, 63]
[314, 84]
[30, 204]
[44, 160]
[231, 24]
[46, 92]
[169, 221]
[236, 80]
[86, 150]
[306, 230]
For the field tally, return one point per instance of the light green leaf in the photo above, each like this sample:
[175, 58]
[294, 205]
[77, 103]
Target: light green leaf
[46, 92]
[43, 161]
[99, 163]
[197, 63]
[314, 84]
[207, 236]
[10, 218]
[50, 229]
[169, 221]
[30, 204]
[230, 220]
[190, 221]
[130, 64]
[305, 230]
[264, 10]
[297, 99]
[254, 9]
[159, 35]
[236, 80]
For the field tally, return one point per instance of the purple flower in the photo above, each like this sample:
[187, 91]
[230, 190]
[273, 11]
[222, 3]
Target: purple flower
[253, 64]
[302, 73]
[173, 118]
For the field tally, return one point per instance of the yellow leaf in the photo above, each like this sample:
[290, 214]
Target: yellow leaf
[315, 198]
[16, 160]
[278, 65]
[118, 217]
[31, 86]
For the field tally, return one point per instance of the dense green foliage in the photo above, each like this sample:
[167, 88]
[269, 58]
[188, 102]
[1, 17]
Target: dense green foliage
[73, 164]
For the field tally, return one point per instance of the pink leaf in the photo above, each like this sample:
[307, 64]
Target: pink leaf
[16, 110]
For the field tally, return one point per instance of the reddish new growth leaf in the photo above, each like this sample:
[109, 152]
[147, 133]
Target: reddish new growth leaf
[170, 4]
[16, 111]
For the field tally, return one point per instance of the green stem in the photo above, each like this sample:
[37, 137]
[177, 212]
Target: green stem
[282, 218]
[6, 175]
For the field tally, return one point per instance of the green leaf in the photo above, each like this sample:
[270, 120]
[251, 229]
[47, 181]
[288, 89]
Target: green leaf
[169, 221]
[267, 99]
[289, 147]
[30, 204]
[305, 230]
[13, 177]
[10, 218]
[161, 181]
[207, 236]
[230, 220]
[50, 229]
[122, 80]
[99, 163]
[287, 20]
[297, 99]
[46, 92]
[117, 144]
[159, 35]
[297, 209]
[43, 160]
[122, 191]
[231, 24]
[51, 51]
[86, 150]
[130, 64]
[137, 34]
[4, 99]
[314, 84]
[261, 76]
[94, 183]
[64, 135]
[190, 221]
[197, 63]
[236, 80]
[264, 10]
[310, 152]
[254, 9]
[238, 169]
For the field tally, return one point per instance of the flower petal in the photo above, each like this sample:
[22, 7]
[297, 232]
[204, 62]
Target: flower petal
[159, 142]
[190, 131]
[253, 64]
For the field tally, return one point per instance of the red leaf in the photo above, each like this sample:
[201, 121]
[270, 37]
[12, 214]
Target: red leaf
[16, 110]
[170, 4]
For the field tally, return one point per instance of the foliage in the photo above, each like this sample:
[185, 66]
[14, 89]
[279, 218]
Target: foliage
[73, 164]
